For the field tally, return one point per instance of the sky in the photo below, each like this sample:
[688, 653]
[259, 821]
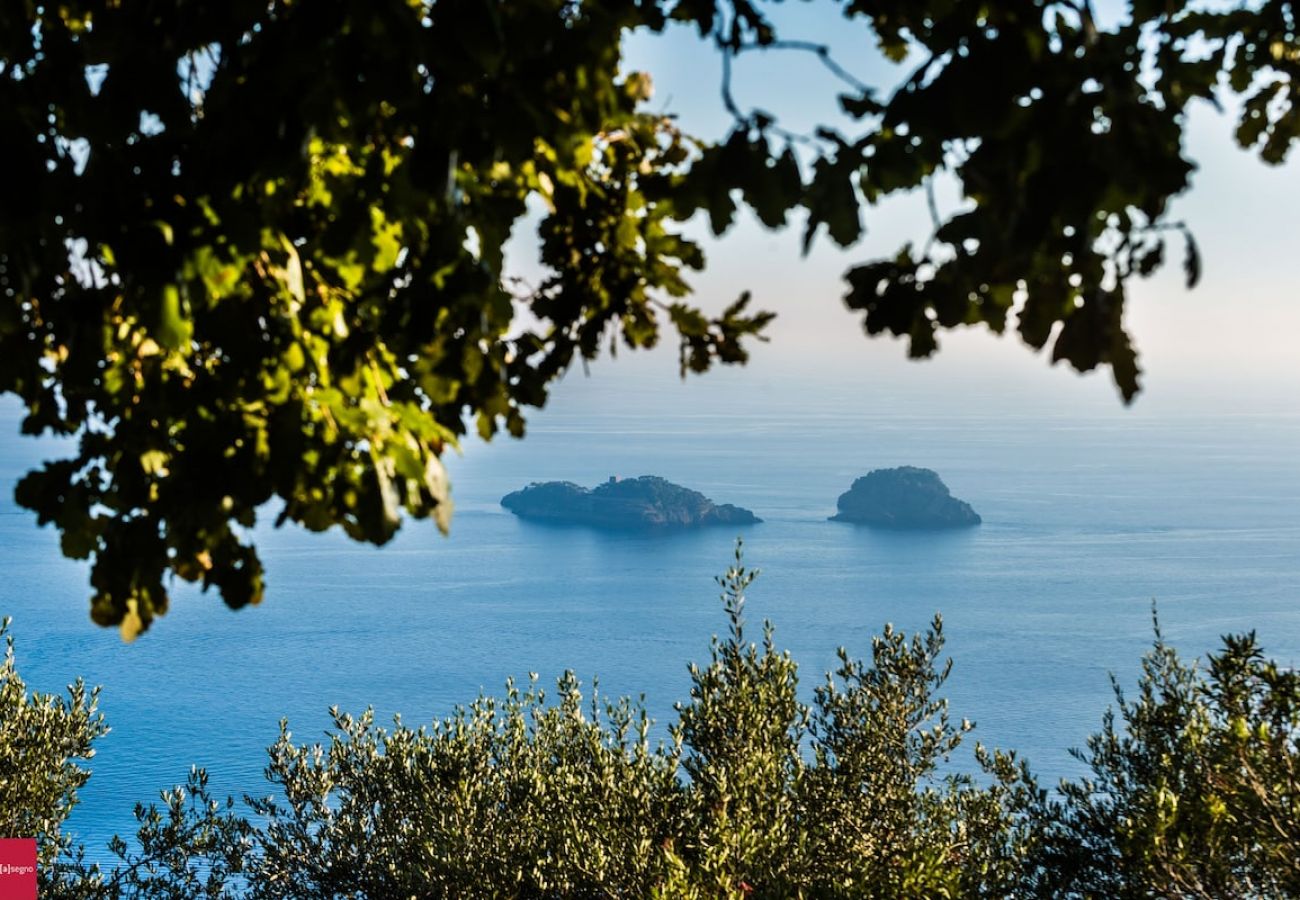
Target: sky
[1228, 342]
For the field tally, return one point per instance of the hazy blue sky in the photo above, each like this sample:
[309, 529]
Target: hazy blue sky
[1231, 338]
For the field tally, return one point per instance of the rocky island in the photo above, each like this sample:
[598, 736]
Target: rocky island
[624, 503]
[906, 497]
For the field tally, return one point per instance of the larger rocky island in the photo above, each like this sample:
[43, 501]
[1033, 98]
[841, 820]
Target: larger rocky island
[623, 503]
[906, 497]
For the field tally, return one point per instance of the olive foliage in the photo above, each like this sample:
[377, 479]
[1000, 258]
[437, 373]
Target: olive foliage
[1195, 787]
[45, 743]
[1194, 791]
[251, 253]
[528, 796]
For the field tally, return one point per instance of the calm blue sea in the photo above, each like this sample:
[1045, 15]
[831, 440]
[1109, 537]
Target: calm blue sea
[1090, 514]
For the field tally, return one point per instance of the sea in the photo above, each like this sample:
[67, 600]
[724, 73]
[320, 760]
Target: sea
[1094, 516]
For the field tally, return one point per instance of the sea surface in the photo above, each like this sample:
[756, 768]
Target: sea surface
[1091, 514]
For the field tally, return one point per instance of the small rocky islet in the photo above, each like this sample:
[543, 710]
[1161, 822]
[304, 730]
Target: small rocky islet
[903, 498]
[623, 503]
[906, 497]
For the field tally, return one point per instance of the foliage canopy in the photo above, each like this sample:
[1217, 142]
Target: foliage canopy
[252, 252]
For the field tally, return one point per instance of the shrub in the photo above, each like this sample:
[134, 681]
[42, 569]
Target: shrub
[1195, 787]
[754, 792]
[45, 739]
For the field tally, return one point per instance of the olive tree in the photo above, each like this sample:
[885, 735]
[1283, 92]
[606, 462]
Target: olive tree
[752, 792]
[1194, 788]
[45, 743]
